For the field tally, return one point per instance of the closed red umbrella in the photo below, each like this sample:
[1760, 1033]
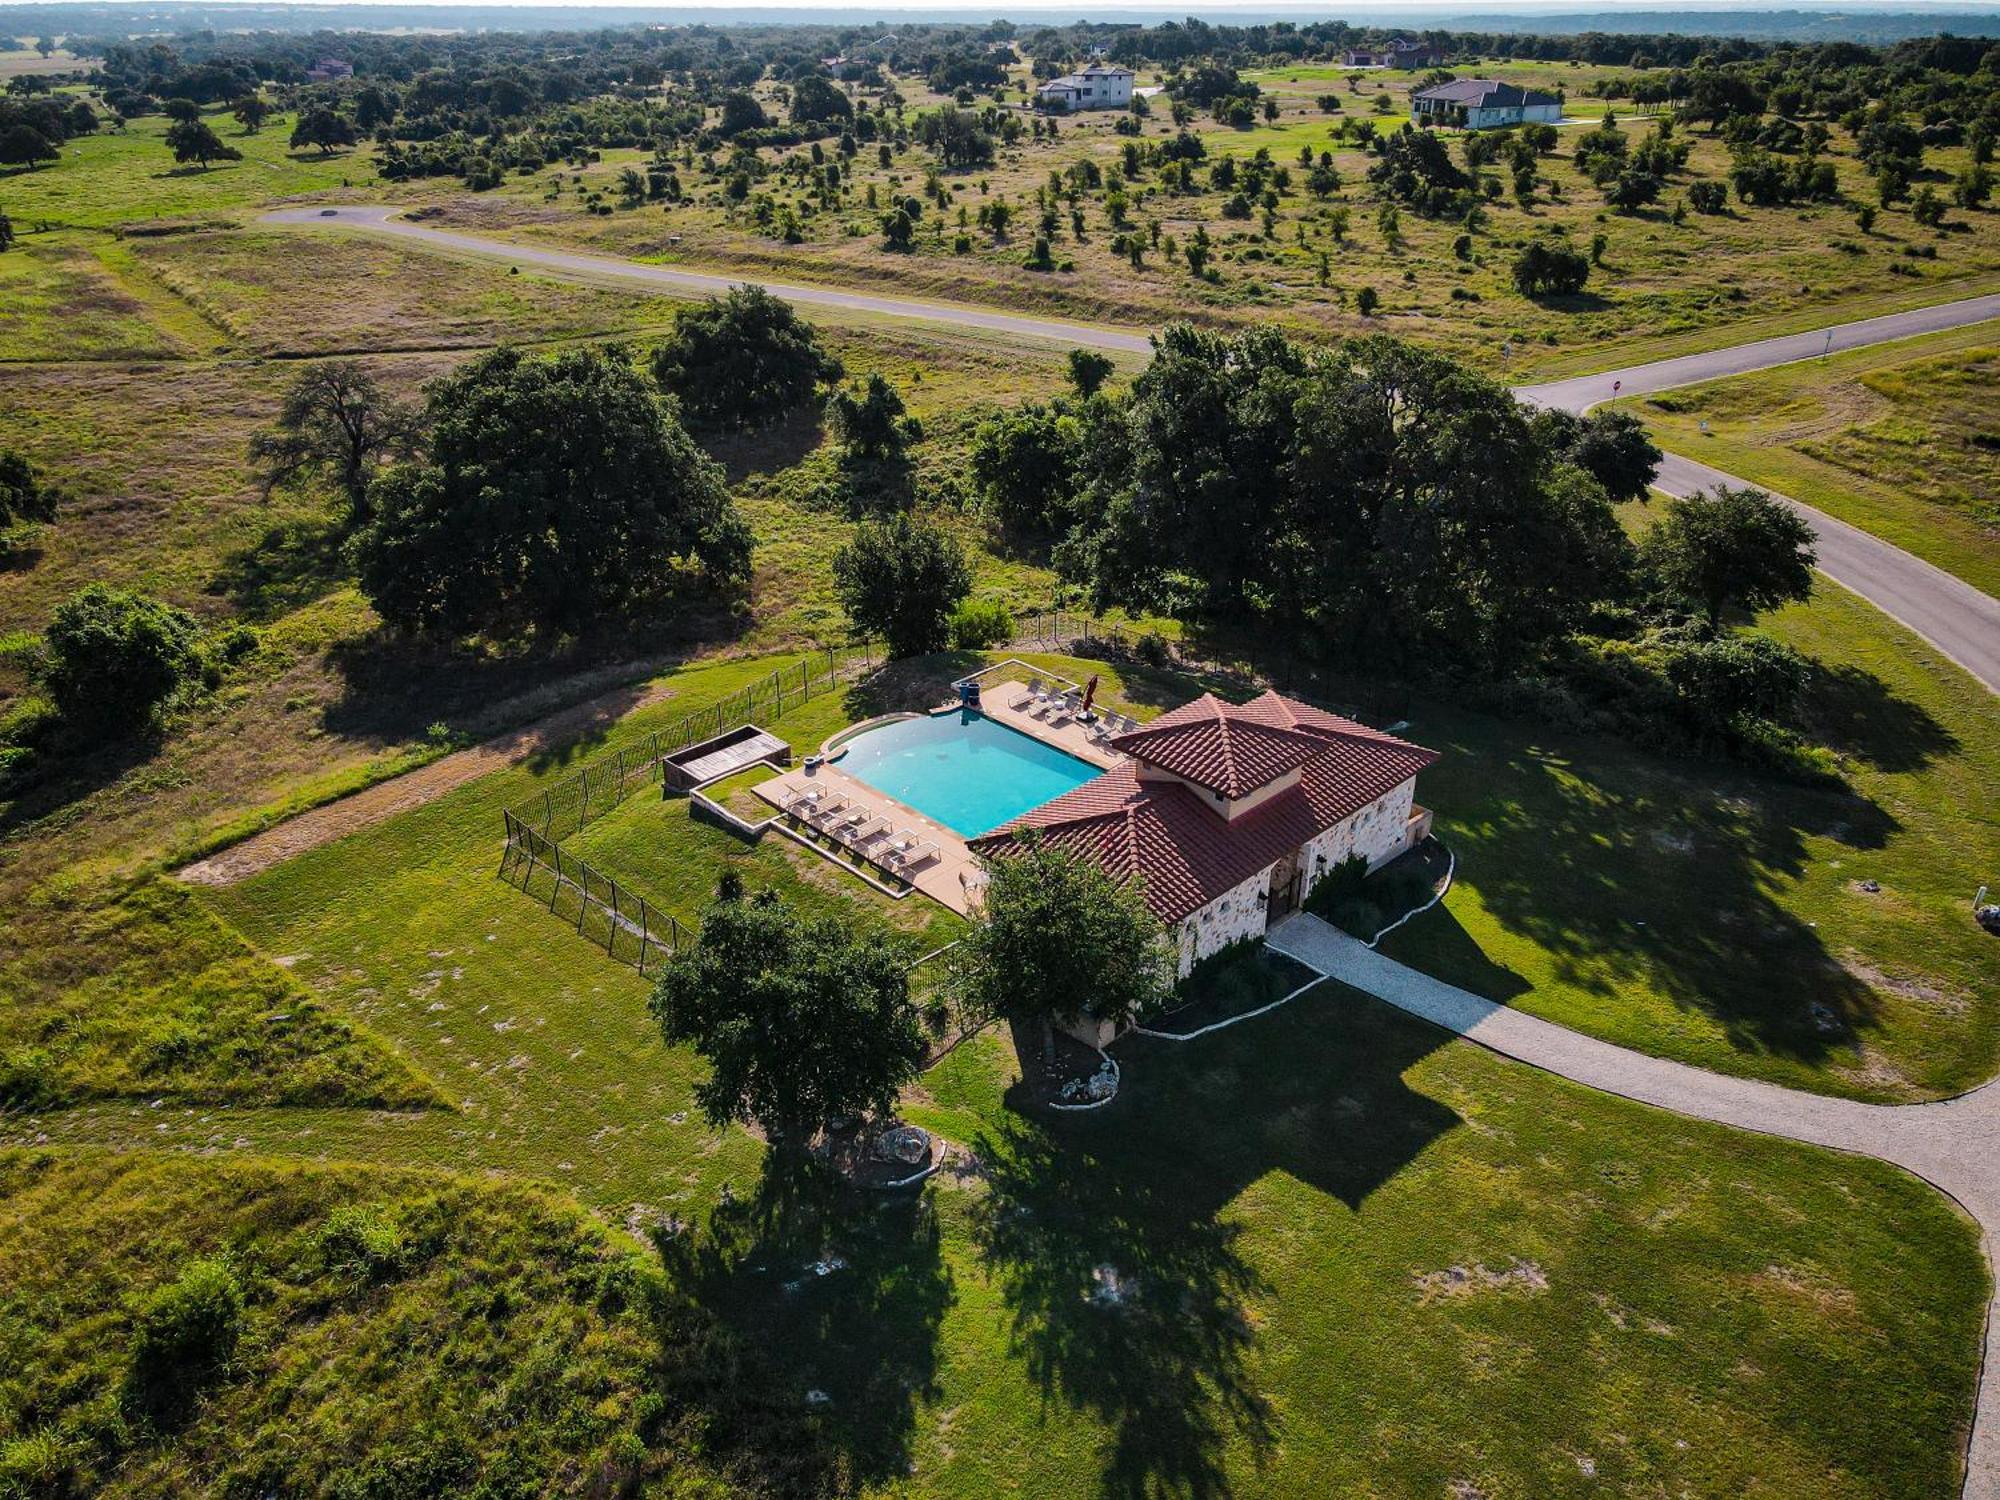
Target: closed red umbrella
[1089, 692]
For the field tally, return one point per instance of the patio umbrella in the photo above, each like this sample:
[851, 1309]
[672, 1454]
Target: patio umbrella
[1089, 692]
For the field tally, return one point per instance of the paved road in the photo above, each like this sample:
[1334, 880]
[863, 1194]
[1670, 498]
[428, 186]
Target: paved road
[1958, 619]
[1954, 1145]
[1948, 612]
[384, 221]
[1584, 391]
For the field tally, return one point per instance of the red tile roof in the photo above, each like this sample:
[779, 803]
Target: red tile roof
[1220, 746]
[1185, 850]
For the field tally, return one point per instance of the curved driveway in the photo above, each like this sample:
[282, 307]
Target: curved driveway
[1954, 1144]
[1953, 616]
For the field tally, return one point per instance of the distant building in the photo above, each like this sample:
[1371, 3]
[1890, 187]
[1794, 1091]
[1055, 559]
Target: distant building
[1093, 88]
[328, 69]
[1482, 104]
[1400, 53]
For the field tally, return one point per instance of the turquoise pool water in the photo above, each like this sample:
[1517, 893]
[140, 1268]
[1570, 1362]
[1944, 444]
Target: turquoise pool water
[962, 769]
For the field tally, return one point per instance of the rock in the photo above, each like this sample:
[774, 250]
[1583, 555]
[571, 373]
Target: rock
[818, 1397]
[906, 1144]
[1825, 1022]
[1872, 887]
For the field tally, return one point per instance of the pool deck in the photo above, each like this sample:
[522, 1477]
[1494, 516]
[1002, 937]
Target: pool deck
[954, 878]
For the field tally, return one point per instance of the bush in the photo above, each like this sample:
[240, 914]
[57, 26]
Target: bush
[358, 1245]
[112, 659]
[188, 1330]
[979, 623]
[1544, 267]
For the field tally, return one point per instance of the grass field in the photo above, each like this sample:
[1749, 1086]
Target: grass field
[1898, 440]
[1654, 286]
[1719, 918]
[1349, 1250]
[1328, 1251]
[359, 1318]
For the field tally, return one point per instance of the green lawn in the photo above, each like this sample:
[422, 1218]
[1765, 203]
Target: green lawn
[1354, 1247]
[1717, 917]
[1350, 1252]
[124, 176]
[1897, 439]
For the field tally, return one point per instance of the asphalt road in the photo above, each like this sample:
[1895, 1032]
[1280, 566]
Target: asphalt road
[1958, 619]
[1584, 391]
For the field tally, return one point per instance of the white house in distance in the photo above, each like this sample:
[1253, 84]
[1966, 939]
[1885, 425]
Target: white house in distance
[1094, 88]
[1231, 813]
[1482, 104]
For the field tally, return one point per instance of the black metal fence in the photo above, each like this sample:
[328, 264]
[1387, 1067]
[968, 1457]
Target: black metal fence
[621, 922]
[586, 795]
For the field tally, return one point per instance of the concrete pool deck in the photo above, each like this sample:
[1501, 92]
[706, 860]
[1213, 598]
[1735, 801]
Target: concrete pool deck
[954, 878]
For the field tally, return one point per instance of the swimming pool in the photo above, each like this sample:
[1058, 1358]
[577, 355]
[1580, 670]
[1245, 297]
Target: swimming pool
[962, 769]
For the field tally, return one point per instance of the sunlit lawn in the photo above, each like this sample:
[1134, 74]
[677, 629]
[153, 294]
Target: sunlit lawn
[1896, 439]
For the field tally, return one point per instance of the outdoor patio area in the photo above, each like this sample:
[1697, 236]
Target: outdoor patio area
[1013, 704]
[834, 814]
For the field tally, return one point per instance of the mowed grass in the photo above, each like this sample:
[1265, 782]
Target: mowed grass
[129, 176]
[365, 294]
[1898, 440]
[1354, 1254]
[1719, 917]
[58, 301]
[1347, 1252]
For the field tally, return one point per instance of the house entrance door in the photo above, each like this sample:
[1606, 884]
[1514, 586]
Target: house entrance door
[1284, 896]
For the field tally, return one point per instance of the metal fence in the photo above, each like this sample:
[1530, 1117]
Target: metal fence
[578, 799]
[621, 922]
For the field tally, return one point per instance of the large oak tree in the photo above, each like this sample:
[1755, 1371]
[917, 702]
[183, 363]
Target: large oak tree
[556, 494]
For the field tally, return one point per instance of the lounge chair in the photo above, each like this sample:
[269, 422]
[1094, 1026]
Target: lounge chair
[827, 808]
[909, 859]
[1035, 695]
[857, 834]
[803, 799]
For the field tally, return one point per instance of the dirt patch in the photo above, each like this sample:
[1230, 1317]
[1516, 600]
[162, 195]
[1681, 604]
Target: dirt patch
[1808, 1286]
[387, 799]
[1464, 1281]
[1916, 991]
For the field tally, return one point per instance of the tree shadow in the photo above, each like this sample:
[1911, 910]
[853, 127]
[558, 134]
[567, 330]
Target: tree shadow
[394, 689]
[820, 1308]
[1646, 876]
[1851, 710]
[294, 563]
[916, 684]
[1111, 1234]
[779, 446]
[66, 771]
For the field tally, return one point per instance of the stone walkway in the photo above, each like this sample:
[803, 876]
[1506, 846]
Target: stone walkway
[1953, 1144]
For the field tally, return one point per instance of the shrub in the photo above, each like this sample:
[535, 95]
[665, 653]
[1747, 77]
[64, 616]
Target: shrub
[112, 659]
[1544, 267]
[188, 1329]
[358, 1245]
[979, 623]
